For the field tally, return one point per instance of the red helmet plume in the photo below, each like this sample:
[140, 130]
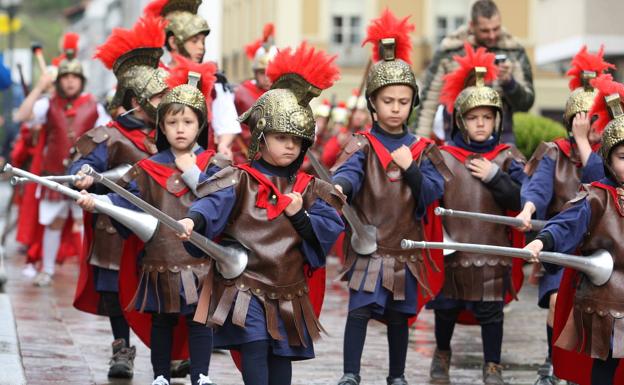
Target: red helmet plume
[70, 42]
[605, 85]
[179, 74]
[388, 26]
[155, 8]
[148, 32]
[585, 61]
[315, 66]
[455, 81]
[267, 33]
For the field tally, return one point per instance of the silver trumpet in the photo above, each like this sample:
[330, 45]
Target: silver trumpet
[230, 262]
[597, 266]
[536, 224]
[363, 237]
[143, 225]
[113, 174]
[17, 180]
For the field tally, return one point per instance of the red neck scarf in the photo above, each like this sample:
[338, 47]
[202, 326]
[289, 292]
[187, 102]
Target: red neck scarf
[137, 137]
[384, 155]
[617, 193]
[266, 188]
[462, 154]
[161, 172]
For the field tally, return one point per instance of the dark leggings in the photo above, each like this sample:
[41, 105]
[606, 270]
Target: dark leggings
[109, 304]
[489, 315]
[262, 367]
[603, 372]
[355, 336]
[121, 329]
[200, 345]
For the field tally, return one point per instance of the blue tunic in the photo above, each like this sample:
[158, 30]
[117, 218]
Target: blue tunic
[539, 189]
[152, 300]
[432, 187]
[216, 209]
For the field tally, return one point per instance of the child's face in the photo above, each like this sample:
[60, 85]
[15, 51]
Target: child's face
[616, 159]
[280, 149]
[181, 129]
[392, 106]
[480, 123]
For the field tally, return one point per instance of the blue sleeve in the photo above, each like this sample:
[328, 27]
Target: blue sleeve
[516, 172]
[351, 174]
[214, 210]
[593, 170]
[5, 75]
[432, 187]
[539, 187]
[203, 176]
[568, 228]
[327, 225]
[97, 159]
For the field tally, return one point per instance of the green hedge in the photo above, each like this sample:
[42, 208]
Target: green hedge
[531, 130]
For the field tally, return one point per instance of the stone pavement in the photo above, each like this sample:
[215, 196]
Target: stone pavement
[60, 345]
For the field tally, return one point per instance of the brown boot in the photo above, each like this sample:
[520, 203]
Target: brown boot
[440, 365]
[493, 374]
[122, 362]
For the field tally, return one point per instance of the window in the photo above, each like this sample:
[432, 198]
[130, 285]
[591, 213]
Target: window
[355, 36]
[337, 30]
[446, 25]
[346, 31]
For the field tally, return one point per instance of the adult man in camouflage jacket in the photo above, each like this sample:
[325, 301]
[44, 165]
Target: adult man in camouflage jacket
[515, 79]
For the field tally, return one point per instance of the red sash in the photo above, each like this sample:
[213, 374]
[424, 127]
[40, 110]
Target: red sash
[137, 137]
[461, 154]
[161, 173]
[384, 155]
[267, 188]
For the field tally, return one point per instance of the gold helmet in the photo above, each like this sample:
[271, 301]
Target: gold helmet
[191, 85]
[297, 78]
[584, 67]
[465, 89]
[391, 54]
[261, 51]
[184, 23]
[607, 107]
[67, 63]
[134, 56]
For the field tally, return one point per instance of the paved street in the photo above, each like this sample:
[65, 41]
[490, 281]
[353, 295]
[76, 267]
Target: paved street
[60, 345]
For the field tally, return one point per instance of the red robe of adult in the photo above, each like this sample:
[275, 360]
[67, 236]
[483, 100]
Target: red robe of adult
[66, 120]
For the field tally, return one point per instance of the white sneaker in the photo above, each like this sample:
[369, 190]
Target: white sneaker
[29, 271]
[43, 279]
[160, 380]
[204, 380]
